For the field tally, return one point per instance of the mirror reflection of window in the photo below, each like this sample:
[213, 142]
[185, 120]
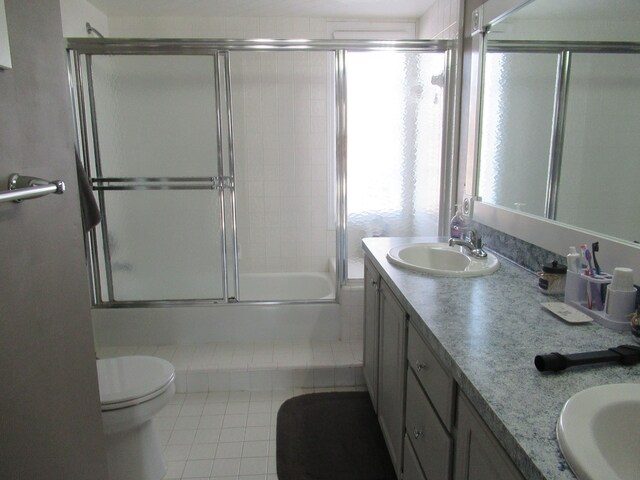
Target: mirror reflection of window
[593, 182]
[598, 187]
[516, 129]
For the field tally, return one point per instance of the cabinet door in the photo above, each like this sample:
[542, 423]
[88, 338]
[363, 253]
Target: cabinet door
[391, 373]
[371, 334]
[478, 455]
[411, 467]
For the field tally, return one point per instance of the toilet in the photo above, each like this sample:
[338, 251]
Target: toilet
[133, 390]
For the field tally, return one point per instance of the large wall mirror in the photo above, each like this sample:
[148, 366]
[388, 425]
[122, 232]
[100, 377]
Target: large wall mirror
[559, 124]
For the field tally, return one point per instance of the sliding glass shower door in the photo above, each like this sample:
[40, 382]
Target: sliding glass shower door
[179, 135]
[159, 158]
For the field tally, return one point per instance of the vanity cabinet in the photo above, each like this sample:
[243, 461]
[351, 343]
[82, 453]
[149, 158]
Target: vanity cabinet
[371, 331]
[429, 408]
[391, 372]
[431, 429]
[478, 454]
[435, 409]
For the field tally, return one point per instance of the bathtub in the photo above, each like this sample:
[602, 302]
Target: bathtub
[237, 322]
[255, 287]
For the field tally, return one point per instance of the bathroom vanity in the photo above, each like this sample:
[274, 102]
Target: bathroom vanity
[449, 366]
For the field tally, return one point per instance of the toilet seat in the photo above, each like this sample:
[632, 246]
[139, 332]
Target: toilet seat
[128, 381]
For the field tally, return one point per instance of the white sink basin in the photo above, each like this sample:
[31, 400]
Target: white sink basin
[441, 259]
[599, 432]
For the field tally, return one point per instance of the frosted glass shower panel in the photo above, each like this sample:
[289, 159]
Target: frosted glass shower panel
[517, 117]
[164, 245]
[600, 168]
[155, 115]
[395, 105]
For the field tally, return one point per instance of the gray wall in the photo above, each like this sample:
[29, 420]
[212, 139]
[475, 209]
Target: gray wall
[50, 425]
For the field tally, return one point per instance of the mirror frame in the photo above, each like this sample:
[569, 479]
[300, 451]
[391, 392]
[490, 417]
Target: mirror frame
[548, 234]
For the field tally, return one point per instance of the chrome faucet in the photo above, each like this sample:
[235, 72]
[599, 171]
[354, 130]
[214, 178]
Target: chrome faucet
[471, 241]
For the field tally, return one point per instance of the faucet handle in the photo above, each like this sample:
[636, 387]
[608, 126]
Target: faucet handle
[476, 241]
[472, 235]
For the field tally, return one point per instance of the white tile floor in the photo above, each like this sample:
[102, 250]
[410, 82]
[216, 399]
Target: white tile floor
[222, 424]
[224, 435]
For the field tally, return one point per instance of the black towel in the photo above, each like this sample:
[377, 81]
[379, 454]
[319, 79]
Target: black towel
[88, 206]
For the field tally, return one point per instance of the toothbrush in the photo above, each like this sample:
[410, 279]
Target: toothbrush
[587, 256]
[595, 247]
[583, 260]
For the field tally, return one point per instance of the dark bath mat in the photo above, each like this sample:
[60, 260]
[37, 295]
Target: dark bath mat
[332, 436]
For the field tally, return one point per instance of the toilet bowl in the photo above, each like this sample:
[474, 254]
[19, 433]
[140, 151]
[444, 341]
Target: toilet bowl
[132, 390]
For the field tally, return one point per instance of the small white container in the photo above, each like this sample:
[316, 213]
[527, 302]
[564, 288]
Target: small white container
[621, 295]
[575, 289]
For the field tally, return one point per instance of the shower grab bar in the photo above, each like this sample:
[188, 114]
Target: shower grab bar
[23, 187]
[162, 183]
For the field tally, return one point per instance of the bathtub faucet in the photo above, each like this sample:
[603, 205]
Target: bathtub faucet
[471, 241]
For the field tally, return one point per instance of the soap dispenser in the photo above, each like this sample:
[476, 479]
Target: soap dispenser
[457, 224]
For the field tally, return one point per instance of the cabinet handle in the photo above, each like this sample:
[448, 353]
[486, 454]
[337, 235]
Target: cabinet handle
[417, 433]
[419, 365]
[374, 283]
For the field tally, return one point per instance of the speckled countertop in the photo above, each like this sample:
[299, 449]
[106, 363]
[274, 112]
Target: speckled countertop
[487, 331]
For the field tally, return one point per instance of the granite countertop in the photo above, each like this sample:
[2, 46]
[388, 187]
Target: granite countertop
[487, 331]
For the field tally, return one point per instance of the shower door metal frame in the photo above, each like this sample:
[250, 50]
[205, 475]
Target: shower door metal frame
[77, 47]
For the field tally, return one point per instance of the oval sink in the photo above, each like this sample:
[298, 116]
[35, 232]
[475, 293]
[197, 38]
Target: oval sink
[441, 259]
[599, 432]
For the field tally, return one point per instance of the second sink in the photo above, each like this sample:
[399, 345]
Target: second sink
[599, 432]
[442, 260]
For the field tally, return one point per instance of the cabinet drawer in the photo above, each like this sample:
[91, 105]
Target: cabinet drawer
[432, 376]
[411, 470]
[430, 440]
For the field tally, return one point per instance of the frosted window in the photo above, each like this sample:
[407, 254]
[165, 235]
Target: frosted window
[394, 110]
[517, 117]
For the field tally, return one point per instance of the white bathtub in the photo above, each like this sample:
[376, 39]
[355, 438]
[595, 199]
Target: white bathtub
[175, 325]
[286, 286]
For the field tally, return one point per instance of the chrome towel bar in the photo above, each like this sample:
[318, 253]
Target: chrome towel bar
[23, 187]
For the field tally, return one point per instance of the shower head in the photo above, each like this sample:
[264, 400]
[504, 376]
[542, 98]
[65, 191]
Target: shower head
[91, 30]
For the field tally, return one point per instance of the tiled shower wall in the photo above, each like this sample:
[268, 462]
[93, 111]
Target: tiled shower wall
[283, 159]
[441, 20]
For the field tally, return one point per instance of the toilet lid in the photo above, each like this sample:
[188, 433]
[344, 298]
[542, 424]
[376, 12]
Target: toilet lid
[125, 379]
